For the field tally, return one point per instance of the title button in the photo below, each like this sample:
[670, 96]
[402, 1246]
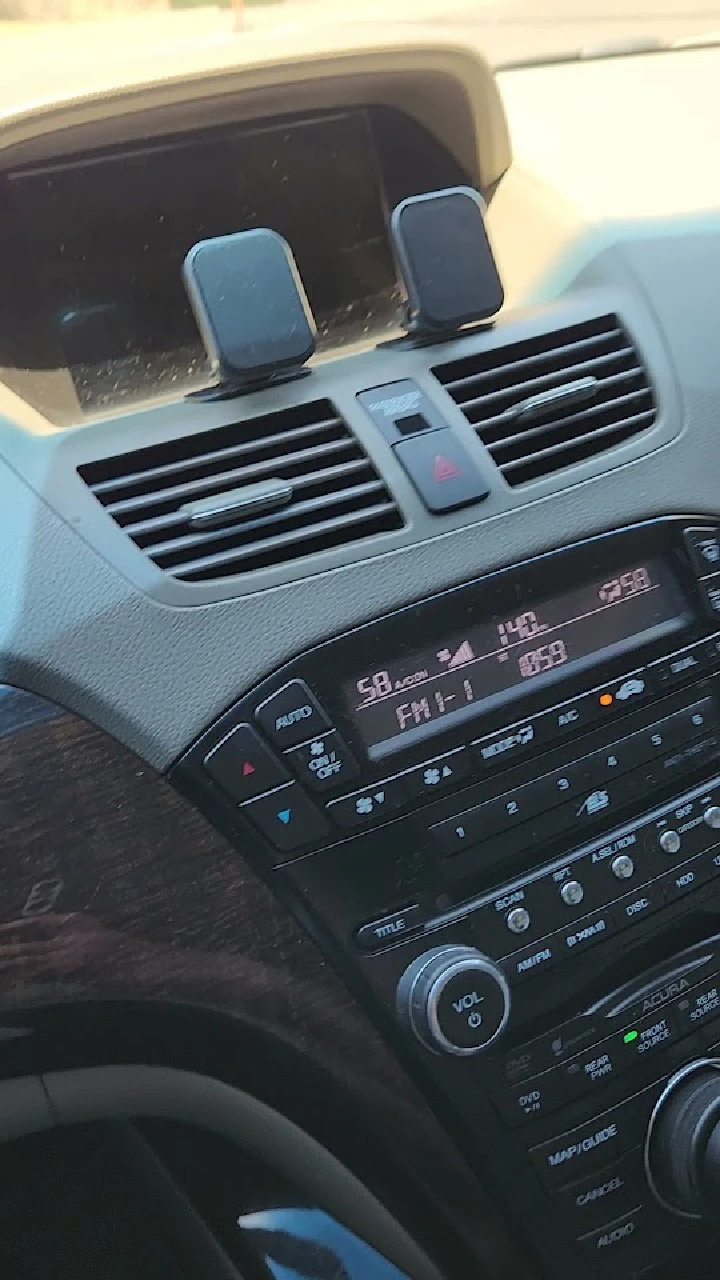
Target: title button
[291, 715]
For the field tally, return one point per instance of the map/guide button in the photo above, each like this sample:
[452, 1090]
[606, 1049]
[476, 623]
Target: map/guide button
[288, 818]
[371, 805]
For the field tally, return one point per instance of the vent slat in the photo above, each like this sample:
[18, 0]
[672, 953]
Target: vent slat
[535, 434]
[628, 427]
[182, 493]
[330, 476]
[338, 496]
[236, 534]
[491, 387]
[153, 476]
[207, 566]
[517, 393]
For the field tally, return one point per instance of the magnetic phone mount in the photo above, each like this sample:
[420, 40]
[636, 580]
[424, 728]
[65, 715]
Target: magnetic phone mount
[251, 309]
[444, 255]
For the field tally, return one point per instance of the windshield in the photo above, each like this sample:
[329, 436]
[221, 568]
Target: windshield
[47, 45]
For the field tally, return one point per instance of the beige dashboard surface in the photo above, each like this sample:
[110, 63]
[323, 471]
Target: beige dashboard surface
[622, 137]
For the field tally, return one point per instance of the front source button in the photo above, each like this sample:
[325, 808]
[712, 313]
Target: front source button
[368, 806]
[324, 763]
[243, 766]
[531, 1099]
[595, 1143]
[605, 1195]
[380, 933]
[291, 715]
[645, 1038]
[443, 473]
[288, 818]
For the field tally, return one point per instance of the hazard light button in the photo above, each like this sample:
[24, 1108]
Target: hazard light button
[243, 766]
[444, 475]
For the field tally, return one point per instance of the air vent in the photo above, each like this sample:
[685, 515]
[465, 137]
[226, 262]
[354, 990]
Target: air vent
[309, 487]
[554, 400]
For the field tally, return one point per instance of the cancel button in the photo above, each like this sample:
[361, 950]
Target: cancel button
[606, 1195]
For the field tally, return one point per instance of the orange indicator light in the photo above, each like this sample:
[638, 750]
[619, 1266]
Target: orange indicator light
[606, 699]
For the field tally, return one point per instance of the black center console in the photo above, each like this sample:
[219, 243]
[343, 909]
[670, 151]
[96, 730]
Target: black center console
[499, 811]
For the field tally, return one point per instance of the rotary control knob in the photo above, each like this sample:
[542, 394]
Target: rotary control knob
[682, 1149]
[454, 999]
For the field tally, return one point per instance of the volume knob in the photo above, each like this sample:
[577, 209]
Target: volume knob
[454, 999]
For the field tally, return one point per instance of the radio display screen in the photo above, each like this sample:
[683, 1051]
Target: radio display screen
[495, 661]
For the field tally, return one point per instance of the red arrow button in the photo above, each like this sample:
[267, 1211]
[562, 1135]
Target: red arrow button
[248, 769]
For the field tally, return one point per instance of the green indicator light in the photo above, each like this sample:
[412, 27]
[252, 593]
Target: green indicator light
[630, 1036]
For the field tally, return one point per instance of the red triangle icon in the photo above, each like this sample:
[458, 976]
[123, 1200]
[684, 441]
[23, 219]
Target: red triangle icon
[248, 769]
[444, 469]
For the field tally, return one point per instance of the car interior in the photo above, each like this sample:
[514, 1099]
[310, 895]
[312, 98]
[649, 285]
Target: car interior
[360, 908]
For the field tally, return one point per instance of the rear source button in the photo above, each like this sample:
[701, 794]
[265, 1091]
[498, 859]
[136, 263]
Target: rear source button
[291, 715]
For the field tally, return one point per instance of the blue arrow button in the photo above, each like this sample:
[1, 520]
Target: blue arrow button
[285, 816]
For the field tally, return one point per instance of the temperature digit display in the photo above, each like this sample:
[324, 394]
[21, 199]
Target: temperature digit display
[497, 660]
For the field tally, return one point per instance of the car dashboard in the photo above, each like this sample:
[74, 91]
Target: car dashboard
[396, 805]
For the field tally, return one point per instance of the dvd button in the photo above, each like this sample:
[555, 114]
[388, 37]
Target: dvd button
[530, 1100]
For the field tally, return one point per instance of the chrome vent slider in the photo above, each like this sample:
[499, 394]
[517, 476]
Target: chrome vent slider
[238, 504]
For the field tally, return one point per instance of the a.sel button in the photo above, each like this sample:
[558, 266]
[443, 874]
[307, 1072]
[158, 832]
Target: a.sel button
[243, 766]
[578, 1152]
[324, 763]
[380, 933]
[291, 715]
[288, 818]
[371, 805]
